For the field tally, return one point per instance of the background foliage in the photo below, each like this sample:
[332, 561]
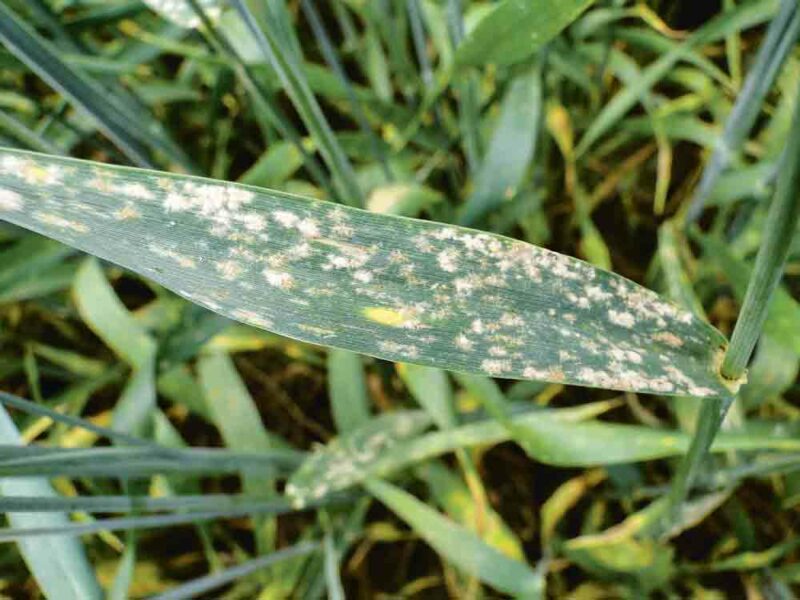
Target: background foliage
[590, 141]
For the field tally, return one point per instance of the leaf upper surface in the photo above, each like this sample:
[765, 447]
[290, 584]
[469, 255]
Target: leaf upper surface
[396, 288]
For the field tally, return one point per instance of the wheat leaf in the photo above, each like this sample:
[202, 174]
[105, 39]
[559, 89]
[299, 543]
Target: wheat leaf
[400, 289]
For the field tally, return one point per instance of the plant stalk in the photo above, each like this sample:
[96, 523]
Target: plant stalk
[780, 227]
[781, 37]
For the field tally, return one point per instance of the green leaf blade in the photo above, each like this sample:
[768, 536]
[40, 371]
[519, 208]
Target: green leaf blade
[516, 29]
[460, 546]
[59, 564]
[396, 288]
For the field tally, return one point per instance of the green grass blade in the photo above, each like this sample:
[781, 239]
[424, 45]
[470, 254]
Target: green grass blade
[743, 16]
[332, 579]
[209, 583]
[511, 148]
[345, 461]
[466, 85]
[236, 415]
[329, 53]
[781, 38]
[565, 440]
[125, 570]
[347, 388]
[232, 408]
[36, 409]
[454, 496]
[779, 230]
[778, 233]
[128, 504]
[287, 66]
[458, 545]
[432, 390]
[102, 464]
[59, 564]
[105, 314]
[113, 116]
[515, 30]
[496, 404]
[783, 315]
[31, 139]
[14, 534]
[406, 290]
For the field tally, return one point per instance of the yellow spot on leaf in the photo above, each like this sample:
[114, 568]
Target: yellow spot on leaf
[385, 316]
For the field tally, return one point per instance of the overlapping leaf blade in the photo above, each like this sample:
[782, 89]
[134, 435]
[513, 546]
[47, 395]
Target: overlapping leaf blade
[396, 288]
[515, 29]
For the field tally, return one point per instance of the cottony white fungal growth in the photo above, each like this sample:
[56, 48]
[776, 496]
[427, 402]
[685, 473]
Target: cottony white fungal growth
[347, 459]
[10, 200]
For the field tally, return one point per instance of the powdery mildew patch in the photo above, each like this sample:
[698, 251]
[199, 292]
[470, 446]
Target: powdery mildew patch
[401, 289]
[346, 460]
[181, 12]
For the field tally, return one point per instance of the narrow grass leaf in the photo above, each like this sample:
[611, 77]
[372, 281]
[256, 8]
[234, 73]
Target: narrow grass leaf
[783, 317]
[17, 534]
[510, 150]
[743, 16]
[458, 545]
[406, 290]
[37, 409]
[114, 117]
[236, 415]
[59, 564]
[496, 404]
[105, 314]
[332, 580]
[781, 38]
[125, 570]
[515, 29]
[455, 498]
[287, 65]
[231, 406]
[209, 583]
[345, 461]
[133, 462]
[562, 436]
[378, 447]
[347, 388]
[432, 390]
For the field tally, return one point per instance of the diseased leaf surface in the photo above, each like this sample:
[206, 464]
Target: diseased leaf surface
[181, 12]
[400, 289]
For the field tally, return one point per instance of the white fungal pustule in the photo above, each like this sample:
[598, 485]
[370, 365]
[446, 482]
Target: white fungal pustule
[10, 200]
[279, 279]
[621, 318]
[308, 228]
[175, 202]
[668, 338]
[136, 190]
[60, 222]
[448, 260]
[464, 343]
[35, 174]
[285, 218]
[229, 269]
[129, 212]
[496, 366]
